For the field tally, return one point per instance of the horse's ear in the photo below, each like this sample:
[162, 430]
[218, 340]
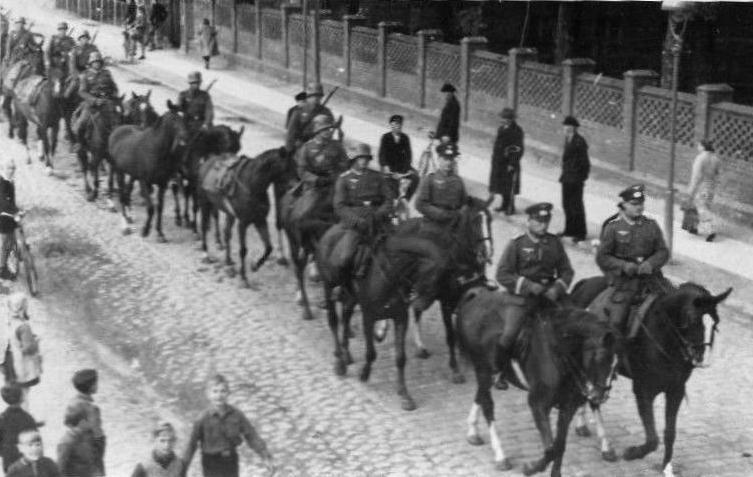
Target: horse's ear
[148, 94]
[133, 95]
[282, 151]
[722, 296]
[241, 131]
[170, 105]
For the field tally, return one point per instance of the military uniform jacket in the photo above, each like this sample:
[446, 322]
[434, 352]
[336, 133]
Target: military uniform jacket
[97, 84]
[440, 195]
[59, 44]
[80, 58]
[324, 159]
[361, 195]
[301, 124]
[197, 106]
[527, 260]
[20, 45]
[623, 242]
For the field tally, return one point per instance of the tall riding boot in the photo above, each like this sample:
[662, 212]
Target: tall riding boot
[361, 261]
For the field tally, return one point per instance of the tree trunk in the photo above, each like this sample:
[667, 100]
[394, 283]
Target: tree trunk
[562, 36]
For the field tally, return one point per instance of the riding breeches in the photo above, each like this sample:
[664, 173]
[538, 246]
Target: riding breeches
[432, 262]
[313, 206]
[345, 249]
[81, 116]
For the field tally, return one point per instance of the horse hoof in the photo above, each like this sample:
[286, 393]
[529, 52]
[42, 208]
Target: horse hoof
[503, 465]
[90, 197]
[609, 456]
[48, 170]
[633, 453]
[129, 220]
[283, 262]
[423, 353]
[457, 378]
[583, 431]
[307, 315]
[127, 231]
[475, 440]
[530, 468]
[407, 403]
[365, 373]
[178, 222]
[340, 368]
[144, 233]
[161, 239]
[348, 358]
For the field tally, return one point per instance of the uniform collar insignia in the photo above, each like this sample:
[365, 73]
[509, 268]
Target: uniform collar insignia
[528, 249]
[622, 232]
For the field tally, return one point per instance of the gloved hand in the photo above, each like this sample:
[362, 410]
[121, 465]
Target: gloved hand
[630, 269]
[535, 289]
[645, 268]
[553, 293]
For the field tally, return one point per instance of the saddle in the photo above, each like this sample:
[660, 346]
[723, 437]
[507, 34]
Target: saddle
[639, 307]
[221, 173]
[29, 89]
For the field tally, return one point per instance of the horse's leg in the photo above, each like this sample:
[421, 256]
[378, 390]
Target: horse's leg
[607, 452]
[94, 171]
[206, 212]
[229, 222]
[447, 310]
[217, 237]
[368, 332]
[421, 352]
[263, 231]
[124, 200]
[43, 145]
[146, 194]
[300, 274]
[83, 160]
[243, 251]
[540, 412]
[645, 401]
[333, 321]
[673, 399]
[581, 423]
[175, 188]
[110, 187]
[348, 301]
[23, 134]
[566, 413]
[190, 192]
[401, 329]
[161, 189]
[8, 110]
[54, 131]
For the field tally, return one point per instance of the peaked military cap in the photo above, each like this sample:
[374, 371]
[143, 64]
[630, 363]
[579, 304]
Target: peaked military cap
[95, 56]
[571, 121]
[541, 211]
[84, 34]
[63, 26]
[447, 88]
[315, 89]
[507, 113]
[362, 150]
[20, 20]
[396, 118]
[634, 194]
[300, 96]
[194, 77]
[449, 149]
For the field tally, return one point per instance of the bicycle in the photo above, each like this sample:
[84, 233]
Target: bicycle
[426, 163]
[20, 259]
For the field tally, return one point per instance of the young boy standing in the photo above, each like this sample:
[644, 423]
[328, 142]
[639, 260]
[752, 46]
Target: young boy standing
[219, 431]
[33, 463]
[13, 421]
[86, 382]
[75, 450]
[162, 462]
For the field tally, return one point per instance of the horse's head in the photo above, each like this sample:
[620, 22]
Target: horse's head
[474, 235]
[138, 110]
[686, 310]
[173, 119]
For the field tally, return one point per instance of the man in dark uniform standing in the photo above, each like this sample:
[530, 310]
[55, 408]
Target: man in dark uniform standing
[363, 203]
[441, 194]
[60, 44]
[504, 178]
[7, 224]
[575, 169]
[449, 118]
[300, 126]
[196, 105]
[395, 157]
[533, 264]
[631, 254]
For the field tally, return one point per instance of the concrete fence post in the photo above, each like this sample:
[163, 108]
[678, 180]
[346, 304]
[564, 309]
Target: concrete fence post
[634, 81]
[514, 58]
[571, 68]
[258, 20]
[424, 37]
[349, 21]
[707, 95]
[285, 12]
[467, 46]
[384, 29]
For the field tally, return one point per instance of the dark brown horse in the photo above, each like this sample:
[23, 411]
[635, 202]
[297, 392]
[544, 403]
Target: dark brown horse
[669, 345]
[137, 110]
[383, 292]
[569, 358]
[149, 156]
[245, 199]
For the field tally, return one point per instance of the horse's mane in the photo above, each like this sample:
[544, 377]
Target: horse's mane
[573, 325]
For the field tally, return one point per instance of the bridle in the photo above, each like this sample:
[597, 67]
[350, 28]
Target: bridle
[583, 383]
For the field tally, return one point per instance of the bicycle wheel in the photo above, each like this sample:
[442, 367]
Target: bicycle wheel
[30, 272]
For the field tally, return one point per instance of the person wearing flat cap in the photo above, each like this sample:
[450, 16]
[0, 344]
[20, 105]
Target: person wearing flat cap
[631, 254]
[301, 124]
[504, 178]
[396, 157]
[363, 204]
[533, 265]
[575, 169]
[86, 383]
[449, 118]
[300, 100]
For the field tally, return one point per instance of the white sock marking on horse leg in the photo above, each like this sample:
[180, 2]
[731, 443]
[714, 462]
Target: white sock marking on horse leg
[298, 296]
[600, 431]
[417, 335]
[499, 453]
[580, 416]
[668, 470]
[110, 204]
[472, 419]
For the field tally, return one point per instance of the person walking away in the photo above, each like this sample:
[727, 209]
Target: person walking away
[86, 383]
[504, 178]
[196, 104]
[219, 431]
[300, 100]
[23, 362]
[575, 169]
[7, 224]
[162, 461]
[207, 42]
[533, 265]
[157, 18]
[75, 450]
[13, 421]
[396, 157]
[33, 462]
[449, 118]
[140, 27]
[703, 181]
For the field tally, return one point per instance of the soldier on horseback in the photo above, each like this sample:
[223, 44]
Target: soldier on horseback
[196, 105]
[631, 254]
[21, 44]
[301, 126]
[80, 54]
[533, 264]
[364, 204]
[60, 44]
[441, 194]
[96, 88]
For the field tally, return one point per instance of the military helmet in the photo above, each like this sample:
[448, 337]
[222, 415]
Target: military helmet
[194, 77]
[84, 34]
[63, 26]
[94, 56]
[20, 20]
[315, 89]
[362, 150]
[322, 122]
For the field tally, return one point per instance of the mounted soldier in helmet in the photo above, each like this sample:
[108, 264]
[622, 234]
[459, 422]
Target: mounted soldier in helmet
[301, 126]
[80, 54]
[21, 44]
[96, 88]
[196, 105]
[363, 204]
[61, 44]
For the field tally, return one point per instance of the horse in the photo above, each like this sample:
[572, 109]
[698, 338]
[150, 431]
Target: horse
[12, 74]
[137, 110]
[148, 156]
[569, 358]
[669, 345]
[248, 202]
[383, 292]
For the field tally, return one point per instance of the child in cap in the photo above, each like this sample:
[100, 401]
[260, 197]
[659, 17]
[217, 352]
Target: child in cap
[75, 450]
[86, 382]
[13, 421]
[33, 462]
[219, 431]
[162, 461]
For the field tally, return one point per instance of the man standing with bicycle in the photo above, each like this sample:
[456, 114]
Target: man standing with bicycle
[8, 209]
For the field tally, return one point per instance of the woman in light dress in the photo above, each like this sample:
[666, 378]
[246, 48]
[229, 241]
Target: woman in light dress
[23, 362]
[703, 181]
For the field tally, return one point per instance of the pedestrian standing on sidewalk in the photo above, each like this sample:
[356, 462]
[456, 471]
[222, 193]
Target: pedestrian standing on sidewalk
[7, 224]
[13, 421]
[703, 180]
[33, 462]
[575, 169]
[300, 100]
[162, 461]
[157, 18]
[219, 431]
[23, 363]
[75, 450]
[140, 26]
[504, 178]
[86, 382]
[208, 42]
[131, 9]
[449, 118]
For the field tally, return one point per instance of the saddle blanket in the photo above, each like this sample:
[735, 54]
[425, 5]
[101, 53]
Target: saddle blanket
[636, 314]
[28, 89]
[219, 173]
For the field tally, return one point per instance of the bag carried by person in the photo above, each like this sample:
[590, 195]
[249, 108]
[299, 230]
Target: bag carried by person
[690, 219]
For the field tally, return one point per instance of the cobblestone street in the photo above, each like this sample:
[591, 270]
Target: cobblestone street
[157, 321]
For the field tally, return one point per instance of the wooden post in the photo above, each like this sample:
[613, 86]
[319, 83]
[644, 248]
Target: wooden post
[515, 57]
[285, 12]
[305, 72]
[349, 21]
[317, 53]
[424, 37]
[707, 95]
[634, 81]
[257, 19]
[571, 68]
[382, 38]
[467, 46]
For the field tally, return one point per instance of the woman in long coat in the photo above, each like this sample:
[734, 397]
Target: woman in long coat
[504, 178]
[703, 180]
[208, 42]
[23, 363]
